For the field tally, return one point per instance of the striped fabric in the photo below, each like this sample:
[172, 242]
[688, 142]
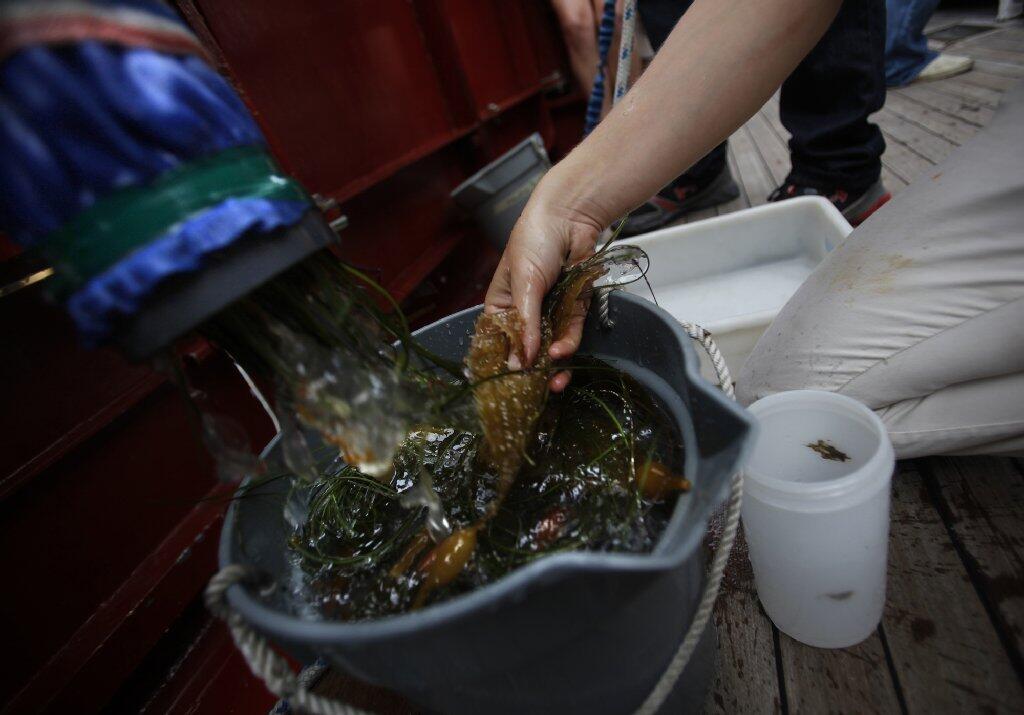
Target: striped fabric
[130, 23]
[604, 43]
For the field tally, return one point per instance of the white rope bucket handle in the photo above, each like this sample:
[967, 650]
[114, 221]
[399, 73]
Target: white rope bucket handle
[714, 578]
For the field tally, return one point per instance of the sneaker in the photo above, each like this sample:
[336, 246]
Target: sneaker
[855, 207]
[943, 67]
[678, 199]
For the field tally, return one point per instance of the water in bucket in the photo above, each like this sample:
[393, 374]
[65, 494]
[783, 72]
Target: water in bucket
[434, 480]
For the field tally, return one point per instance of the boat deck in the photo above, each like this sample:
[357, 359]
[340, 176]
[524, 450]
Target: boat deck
[952, 635]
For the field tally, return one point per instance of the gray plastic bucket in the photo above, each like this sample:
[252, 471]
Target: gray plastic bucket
[574, 632]
[496, 195]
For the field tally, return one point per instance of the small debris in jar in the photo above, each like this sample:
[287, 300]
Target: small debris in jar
[840, 596]
[828, 451]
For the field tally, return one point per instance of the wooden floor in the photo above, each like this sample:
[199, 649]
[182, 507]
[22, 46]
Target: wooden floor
[952, 637]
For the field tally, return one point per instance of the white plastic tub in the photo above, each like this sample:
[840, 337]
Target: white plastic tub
[732, 274]
[816, 515]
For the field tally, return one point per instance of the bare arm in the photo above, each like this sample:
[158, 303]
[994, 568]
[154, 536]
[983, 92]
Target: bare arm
[720, 64]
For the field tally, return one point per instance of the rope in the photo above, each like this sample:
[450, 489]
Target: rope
[668, 679]
[625, 49]
[621, 85]
[604, 309]
[265, 662]
[606, 30]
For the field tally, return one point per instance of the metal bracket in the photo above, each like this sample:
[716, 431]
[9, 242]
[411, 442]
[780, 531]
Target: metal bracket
[326, 204]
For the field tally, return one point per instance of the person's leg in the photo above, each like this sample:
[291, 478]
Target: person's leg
[919, 313]
[906, 49]
[659, 18]
[907, 57]
[706, 183]
[579, 28]
[825, 105]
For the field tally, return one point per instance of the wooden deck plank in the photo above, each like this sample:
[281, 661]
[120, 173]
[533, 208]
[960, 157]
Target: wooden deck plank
[984, 497]
[969, 111]
[772, 147]
[892, 182]
[943, 18]
[925, 144]
[1004, 45]
[1007, 53]
[945, 650]
[989, 54]
[956, 87]
[754, 177]
[774, 118]
[740, 202]
[1000, 68]
[700, 215]
[746, 679]
[902, 160]
[734, 169]
[853, 679]
[999, 83]
[936, 122]
[1006, 39]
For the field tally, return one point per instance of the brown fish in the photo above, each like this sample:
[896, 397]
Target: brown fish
[508, 400]
[510, 397]
[656, 481]
[445, 562]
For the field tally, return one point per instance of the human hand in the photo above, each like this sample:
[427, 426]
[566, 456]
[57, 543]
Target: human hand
[548, 236]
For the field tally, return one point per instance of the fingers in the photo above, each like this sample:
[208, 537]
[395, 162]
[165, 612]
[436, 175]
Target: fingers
[559, 381]
[566, 344]
[517, 283]
[499, 292]
[541, 243]
[528, 289]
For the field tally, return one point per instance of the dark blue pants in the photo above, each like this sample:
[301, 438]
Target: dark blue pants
[825, 102]
[906, 48]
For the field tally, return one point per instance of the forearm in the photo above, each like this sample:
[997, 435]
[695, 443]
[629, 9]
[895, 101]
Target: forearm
[720, 64]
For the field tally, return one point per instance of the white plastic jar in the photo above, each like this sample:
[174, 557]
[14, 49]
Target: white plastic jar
[816, 515]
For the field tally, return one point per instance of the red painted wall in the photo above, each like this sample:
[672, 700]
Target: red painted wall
[109, 508]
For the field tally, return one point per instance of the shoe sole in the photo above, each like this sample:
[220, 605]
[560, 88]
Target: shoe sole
[944, 74]
[872, 200]
[719, 191]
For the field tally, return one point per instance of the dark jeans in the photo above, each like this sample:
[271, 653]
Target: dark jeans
[906, 48]
[825, 102]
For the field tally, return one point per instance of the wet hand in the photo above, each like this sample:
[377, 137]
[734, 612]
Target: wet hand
[547, 237]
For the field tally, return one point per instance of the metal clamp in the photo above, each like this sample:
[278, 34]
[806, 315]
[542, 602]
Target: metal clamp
[326, 204]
